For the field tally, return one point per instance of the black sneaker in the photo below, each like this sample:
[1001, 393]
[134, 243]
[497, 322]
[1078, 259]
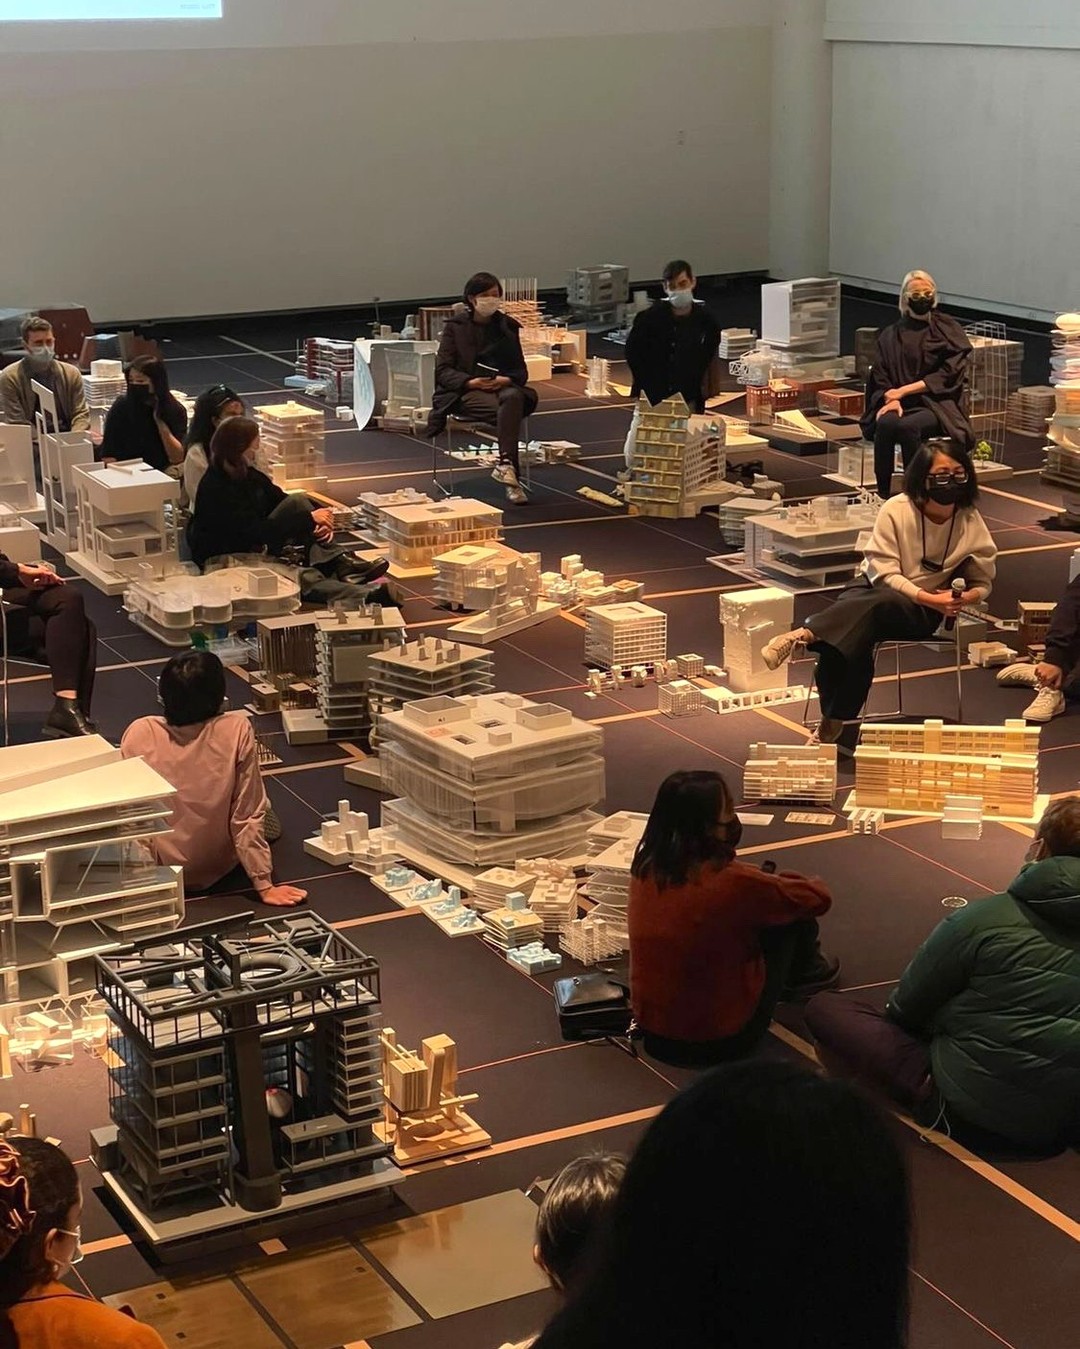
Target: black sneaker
[821, 974]
[358, 571]
[66, 719]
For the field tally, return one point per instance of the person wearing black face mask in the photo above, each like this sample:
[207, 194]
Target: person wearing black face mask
[147, 422]
[923, 540]
[917, 380]
[715, 943]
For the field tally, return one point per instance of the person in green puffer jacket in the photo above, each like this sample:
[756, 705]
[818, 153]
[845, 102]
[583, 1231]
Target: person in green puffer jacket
[984, 1027]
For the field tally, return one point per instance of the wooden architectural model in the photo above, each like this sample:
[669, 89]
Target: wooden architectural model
[293, 439]
[625, 634]
[1033, 617]
[680, 698]
[502, 584]
[126, 526]
[751, 619]
[228, 597]
[677, 462]
[416, 534]
[423, 1117]
[790, 773]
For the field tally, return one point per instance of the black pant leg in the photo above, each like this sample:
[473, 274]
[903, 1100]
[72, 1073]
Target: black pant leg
[60, 608]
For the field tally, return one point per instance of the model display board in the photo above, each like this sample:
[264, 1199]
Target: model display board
[78, 877]
[483, 780]
[912, 767]
[124, 530]
[424, 1118]
[503, 584]
[18, 488]
[428, 668]
[677, 461]
[812, 546]
[625, 634]
[60, 453]
[415, 535]
[227, 597]
[575, 586]
[803, 315]
[293, 438]
[248, 1078]
[790, 773]
[751, 619]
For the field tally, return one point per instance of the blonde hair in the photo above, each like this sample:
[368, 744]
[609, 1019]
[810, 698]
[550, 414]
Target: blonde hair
[917, 275]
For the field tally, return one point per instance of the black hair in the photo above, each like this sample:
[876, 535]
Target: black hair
[53, 1191]
[766, 1205]
[230, 442]
[192, 688]
[572, 1211]
[692, 824]
[153, 367]
[205, 413]
[675, 267]
[477, 284]
[916, 473]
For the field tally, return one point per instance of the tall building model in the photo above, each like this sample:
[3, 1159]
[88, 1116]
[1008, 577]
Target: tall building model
[678, 461]
[293, 438]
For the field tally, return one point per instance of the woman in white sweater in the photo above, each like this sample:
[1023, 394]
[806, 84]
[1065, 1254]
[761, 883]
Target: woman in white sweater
[923, 540]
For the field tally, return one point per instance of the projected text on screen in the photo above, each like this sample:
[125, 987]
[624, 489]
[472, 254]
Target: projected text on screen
[26, 11]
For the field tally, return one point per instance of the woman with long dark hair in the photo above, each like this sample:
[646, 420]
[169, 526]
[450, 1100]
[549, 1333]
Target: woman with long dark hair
[765, 1208]
[714, 943]
[212, 407]
[146, 422]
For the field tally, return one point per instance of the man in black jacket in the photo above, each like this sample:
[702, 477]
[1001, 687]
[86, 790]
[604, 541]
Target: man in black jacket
[672, 344]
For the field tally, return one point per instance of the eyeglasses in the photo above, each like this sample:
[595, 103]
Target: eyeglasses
[77, 1254]
[939, 479]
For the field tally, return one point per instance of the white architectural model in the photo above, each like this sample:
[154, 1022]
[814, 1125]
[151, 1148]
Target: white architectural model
[230, 597]
[554, 900]
[1063, 436]
[733, 514]
[608, 886]
[60, 452]
[680, 698]
[576, 586]
[416, 534]
[371, 506]
[790, 773]
[431, 667]
[598, 378]
[18, 489]
[293, 439]
[864, 821]
[811, 546]
[589, 940]
[961, 817]
[103, 386]
[484, 779]
[346, 840]
[124, 530]
[990, 654]
[751, 619]
[20, 541]
[512, 926]
[503, 585]
[597, 291]
[735, 342]
[677, 462]
[625, 634]
[76, 822]
[796, 420]
[912, 767]
[802, 316]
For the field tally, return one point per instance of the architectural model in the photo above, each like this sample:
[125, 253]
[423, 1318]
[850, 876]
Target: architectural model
[576, 586]
[293, 438]
[735, 342]
[802, 315]
[912, 767]
[416, 534]
[721, 699]
[677, 462]
[125, 532]
[796, 420]
[841, 402]
[327, 363]
[227, 597]
[286, 673]
[598, 292]
[993, 374]
[961, 817]
[625, 634]
[535, 958]
[554, 900]
[854, 464]
[608, 886]
[811, 546]
[76, 826]
[20, 540]
[492, 888]
[990, 654]
[589, 940]
[514, 924]
[18, 488]
[598, 377]
[733, 514]
[204, 1028]
[790, 773]
[60, 452]
[864, 821]
[484, 779]
[1033, 618]
[346, 840]
[502, 584]
[430, 667]
[371, 505]
[680, 698]
[423, 1115]
[751, 619]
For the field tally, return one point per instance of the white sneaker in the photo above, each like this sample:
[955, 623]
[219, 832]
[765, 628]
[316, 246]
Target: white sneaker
[505, 474]
[515, 494]
[1020, 674]
[1045, 706]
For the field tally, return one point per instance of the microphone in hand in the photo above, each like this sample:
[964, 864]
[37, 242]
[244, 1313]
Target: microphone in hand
[959, 585]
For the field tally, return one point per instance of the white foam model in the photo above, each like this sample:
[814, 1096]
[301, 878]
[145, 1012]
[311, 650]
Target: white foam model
[502, 584]
[751, 619]
[598, 377]
[790, 773]
[625, 634]
[60, 453]
[430, 667]
[346, 840]
[415, 534]
[124, 530]
[293, 439]
[18, 488]
[677, 461]
[961, 817]
[802, 315]
[814, 545]
[232, 597]
[576, 586]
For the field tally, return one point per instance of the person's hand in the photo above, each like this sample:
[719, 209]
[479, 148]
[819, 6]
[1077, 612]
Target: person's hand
[323, 515]
[944, 601]
[324, 533]
[106, 462]
[38, 578]
[485, 385]
[894, 406]
[282, 896]
[893, 395]
[970, 597]
[502, 381]
[1048, 676]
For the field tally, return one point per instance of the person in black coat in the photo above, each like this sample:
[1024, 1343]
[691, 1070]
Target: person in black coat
[917, 381]
[147, 422]
[480, 374]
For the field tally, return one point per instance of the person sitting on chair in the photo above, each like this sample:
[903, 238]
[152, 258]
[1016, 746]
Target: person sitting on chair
[923, 541]
[212, 407]
[480, 375]
[209, 755]
[1057, 671]
[58, 633]
[916, 386]
[147, 422]
[18, 401]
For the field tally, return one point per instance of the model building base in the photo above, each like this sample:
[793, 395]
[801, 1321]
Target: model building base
[304, 726]
[480, 628]
[365, 772]
[416, 1142]
[398, 570]
[109, 582]
[1041, 803]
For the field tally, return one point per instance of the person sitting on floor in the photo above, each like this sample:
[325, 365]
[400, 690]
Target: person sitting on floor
[53, 628]
[923, 540]
[18, 401]
[1057, 671]
[210, 757]
[147, 422]
[916, 384]
[983, 1027]
[40, 1212]
[714, 942]
[212, 407]
[480, 374]
[766, 1207]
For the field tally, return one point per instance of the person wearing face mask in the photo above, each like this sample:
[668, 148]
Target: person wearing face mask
[40, 1211]
[212, 407]
[480, 374]
[18, 400]
[147, 422]
[983, 1028]
[917, 380]
[714, 942]
[671, 346]
[923, 540]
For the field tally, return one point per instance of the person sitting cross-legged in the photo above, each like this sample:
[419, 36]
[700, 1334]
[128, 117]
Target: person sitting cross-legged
[1057, 670]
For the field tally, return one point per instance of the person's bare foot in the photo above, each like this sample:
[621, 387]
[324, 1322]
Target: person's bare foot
[282, 896]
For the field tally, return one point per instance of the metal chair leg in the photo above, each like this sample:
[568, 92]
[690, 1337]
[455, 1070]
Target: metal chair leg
[438, 485]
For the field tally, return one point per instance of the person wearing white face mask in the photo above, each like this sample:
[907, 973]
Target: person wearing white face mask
[672, 345]
[17, 398]
[480, 374]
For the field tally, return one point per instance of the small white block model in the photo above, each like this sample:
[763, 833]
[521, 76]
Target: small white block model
[125, 532]
[502, 584]
[341, 837]
[751, 619]
[790, 773]
[690, 666]
[990, 654]
[171, 606]
[680, 698]
[598, 377]
[576, 586]
[293, 438]
[962, 817]
[721, 699]
[865, 821]
[18, 490]
[625, 635]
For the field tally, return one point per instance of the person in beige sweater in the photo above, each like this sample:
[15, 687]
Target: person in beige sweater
[18, 402]
[210, 757]
[924, 541]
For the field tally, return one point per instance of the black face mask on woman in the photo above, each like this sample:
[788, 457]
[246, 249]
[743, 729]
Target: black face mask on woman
[141, 394]
[921, 304]
[945, 493]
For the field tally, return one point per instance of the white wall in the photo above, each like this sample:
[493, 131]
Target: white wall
[326, 152]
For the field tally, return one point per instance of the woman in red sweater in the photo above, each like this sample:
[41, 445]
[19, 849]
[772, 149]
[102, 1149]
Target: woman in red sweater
[714, 943]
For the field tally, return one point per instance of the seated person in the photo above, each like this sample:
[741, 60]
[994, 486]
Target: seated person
[1057, 669]
[671, 346]
[18, 402]
[480, 374]
[147, 422]
[922, 541]
[983, 1027]
[210, 757]
[41, 1207]
[714, 943]
[212, 407]
[50, 625]
[916, 384]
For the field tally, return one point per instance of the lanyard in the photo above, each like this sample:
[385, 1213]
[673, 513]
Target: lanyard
[928, 562]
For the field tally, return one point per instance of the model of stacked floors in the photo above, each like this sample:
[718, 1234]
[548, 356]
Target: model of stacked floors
[678, 461]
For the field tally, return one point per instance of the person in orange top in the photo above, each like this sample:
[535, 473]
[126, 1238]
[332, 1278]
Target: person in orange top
[40, 1209]
[714, 943]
